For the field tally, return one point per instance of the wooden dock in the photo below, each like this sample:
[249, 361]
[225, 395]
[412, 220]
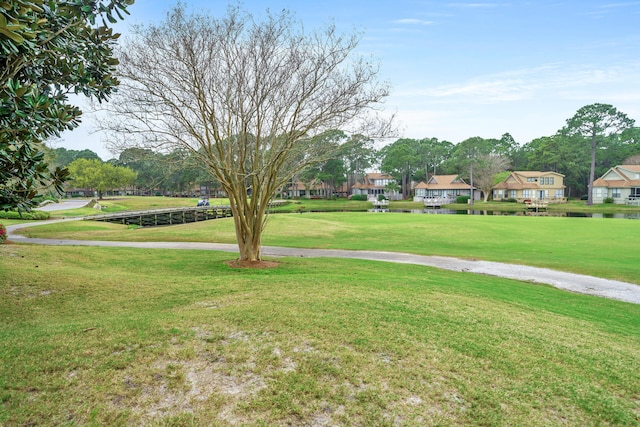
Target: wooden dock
[158, 217]
[436, 202]
[537, 205]
[378, 204]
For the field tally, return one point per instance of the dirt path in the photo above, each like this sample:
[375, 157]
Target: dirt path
[590, 285]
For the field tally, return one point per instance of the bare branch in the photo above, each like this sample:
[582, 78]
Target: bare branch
[247, 97]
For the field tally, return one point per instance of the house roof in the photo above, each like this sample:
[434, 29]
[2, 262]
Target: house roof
[634, 168]
[620, 176]
[444, 182]
[533, 174]
[377, 175]
[299, 185]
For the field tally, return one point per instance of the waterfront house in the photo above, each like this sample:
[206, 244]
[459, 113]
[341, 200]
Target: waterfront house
[443, 189]
[620, 183]
[531, 185]
[375, 184]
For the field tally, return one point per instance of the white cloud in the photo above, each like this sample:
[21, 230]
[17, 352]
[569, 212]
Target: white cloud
[474, 5]
[523, 84]
[528, 103]
[411, 21]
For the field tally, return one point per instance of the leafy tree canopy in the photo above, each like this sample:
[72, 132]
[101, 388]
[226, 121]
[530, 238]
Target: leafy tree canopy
[596, 123]
[100, 176]
[48, 50]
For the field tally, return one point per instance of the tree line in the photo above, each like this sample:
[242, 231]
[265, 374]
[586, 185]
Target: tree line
[408, 160]
[595, 139]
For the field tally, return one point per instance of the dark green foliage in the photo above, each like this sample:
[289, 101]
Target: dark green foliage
[462, 199]
[63, 157]
[32, 215]
[48, 50]
[361, 197]
[598, 124]
[608, 200]
[22, 171]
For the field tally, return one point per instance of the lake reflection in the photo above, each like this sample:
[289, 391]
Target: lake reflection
[634, 215]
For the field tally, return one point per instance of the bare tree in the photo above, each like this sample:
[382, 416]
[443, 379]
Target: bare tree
[247, 98]
[633, 160]
[485, 167]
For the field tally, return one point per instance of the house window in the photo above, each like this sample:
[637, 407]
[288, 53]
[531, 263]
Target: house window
[526, 193]
[559, 194]
[616, 193]
[550, 180]
[514, 194]
[597, 192]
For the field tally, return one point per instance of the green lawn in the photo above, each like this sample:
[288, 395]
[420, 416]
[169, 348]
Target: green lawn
[115, 336]
[600, 247]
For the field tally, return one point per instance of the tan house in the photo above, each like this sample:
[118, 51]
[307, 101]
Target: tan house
[373, 185]
[620, 183]
[531, 185]
[443, 189]
[315, 189]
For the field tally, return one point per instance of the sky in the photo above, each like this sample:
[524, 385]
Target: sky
[460, 69]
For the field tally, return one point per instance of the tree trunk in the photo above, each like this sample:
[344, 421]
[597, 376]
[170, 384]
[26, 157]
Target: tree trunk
[248, 218]
[249, 239]
[471, 184]
[250, 250]
[405, 185]
[592, 172]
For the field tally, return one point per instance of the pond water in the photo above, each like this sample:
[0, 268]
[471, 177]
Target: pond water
[632, 215]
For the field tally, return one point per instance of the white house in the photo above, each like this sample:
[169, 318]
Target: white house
[445, 188]
[374, 185]
[620, 183]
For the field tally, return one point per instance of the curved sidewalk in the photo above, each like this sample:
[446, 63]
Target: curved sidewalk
[590, 285]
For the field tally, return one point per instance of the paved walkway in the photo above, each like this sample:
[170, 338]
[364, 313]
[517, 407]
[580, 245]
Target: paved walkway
[64, 205]
[590, 285]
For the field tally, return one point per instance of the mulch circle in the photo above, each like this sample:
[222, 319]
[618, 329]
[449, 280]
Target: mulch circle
[236, 263]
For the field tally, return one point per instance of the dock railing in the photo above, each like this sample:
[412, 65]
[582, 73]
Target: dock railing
[169, 216]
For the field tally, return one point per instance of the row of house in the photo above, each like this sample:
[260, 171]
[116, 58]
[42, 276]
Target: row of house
[518, 185]
[372, 185]
[621, 184]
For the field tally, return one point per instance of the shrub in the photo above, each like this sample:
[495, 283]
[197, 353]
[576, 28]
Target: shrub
[362, 197]
[608, 200]
[3, 234]
[462, 199]
[33, 215]
[585, 197]
[381, 197]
